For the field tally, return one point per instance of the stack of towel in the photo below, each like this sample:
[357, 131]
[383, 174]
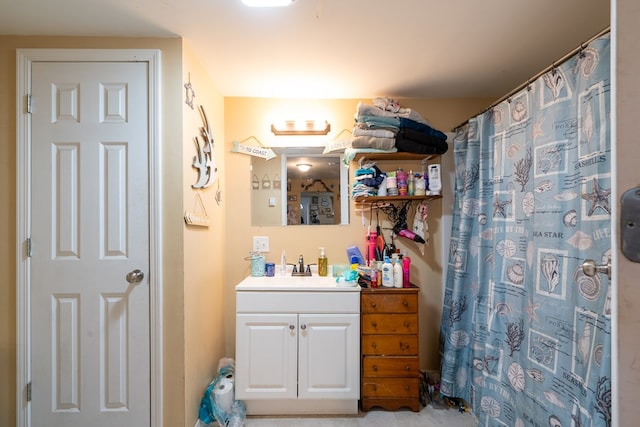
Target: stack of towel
[367, 179]
[387, 126]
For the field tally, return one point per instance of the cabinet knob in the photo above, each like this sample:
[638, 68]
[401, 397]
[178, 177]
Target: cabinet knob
[405, 303]
[374, 387]
[292, 327]
[373, 304]
[407, 388]
[374, 345]
[303, 327]
[407, 368]
[374, 324]
[406, 324]
[375, 367]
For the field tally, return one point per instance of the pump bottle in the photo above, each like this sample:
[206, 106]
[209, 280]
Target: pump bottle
[387, 273]
[397, 272]
[322, 263]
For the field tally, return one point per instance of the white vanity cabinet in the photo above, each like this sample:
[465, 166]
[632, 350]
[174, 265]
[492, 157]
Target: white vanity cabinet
[297, 349]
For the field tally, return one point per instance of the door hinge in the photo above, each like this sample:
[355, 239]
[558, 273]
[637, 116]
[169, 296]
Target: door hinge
[29, 392]
[28, 103]
[29, 247]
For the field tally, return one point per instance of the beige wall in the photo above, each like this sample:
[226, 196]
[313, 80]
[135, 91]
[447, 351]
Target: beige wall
[203, 246]
[245, 117]
[628, 159]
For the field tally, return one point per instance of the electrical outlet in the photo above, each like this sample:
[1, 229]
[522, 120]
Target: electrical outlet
[261, 243]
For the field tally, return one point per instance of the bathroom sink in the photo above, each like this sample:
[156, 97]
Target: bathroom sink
[295, 283]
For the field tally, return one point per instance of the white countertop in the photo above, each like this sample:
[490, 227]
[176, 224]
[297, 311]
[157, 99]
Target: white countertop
[296, 283]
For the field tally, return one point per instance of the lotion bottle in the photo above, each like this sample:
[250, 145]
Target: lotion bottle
[387, 273]
[322, 263]
[397, 273]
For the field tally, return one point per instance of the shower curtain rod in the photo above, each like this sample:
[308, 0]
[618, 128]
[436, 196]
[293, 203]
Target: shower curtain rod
[546, 70]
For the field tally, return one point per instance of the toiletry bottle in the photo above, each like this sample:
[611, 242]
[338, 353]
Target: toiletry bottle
[371, 246]
[322, 263]
[406, 269]
[411, 184]
[387, 273]
[373, 275]
[354, 263]
[397, 273]
[283, 264]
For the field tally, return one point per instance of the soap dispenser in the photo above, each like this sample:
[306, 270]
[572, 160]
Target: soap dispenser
[322, 263]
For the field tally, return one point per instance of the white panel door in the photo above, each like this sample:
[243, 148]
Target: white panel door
[89, 318]
[266, 356]
[329, 356]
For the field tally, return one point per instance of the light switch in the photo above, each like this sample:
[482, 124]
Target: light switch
[272, 202]
[260, 243]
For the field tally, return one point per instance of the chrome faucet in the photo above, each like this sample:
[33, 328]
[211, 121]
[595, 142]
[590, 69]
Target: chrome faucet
[299, 270]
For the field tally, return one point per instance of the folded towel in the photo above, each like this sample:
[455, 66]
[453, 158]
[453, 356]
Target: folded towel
[372, 110]
[350, 153]
[413, 141]
[392, 123]
[421, 127]
[379, 133]
[373, 142]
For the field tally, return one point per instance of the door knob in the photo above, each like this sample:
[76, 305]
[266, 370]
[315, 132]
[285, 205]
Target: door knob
[135, 276]
[590, 268]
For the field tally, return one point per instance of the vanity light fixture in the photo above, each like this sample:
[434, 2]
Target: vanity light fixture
[303, 167]
[304, 127]
[267, 3]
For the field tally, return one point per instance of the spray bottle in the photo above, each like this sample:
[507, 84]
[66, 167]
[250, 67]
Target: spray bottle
[322, 263]
[406, 271]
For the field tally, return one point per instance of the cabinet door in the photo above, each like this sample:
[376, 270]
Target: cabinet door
[266, 356]
[329, 360]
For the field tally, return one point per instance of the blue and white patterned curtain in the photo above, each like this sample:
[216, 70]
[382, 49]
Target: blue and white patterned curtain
[525, 333]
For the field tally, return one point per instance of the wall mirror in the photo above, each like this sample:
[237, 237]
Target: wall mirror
[301, 186]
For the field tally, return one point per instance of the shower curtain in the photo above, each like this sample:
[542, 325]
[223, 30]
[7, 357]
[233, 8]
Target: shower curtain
[525, 333]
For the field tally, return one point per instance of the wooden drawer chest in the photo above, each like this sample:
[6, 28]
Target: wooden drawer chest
[390, 360]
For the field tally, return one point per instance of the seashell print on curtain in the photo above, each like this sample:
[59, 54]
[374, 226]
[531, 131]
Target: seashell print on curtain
[525, 334]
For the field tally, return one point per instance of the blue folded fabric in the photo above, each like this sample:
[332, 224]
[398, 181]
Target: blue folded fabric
[420, 127]
[384, 122]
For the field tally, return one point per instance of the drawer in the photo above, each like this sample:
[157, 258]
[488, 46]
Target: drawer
[297, 302]
[390, 345]
[390, 387]
[394, 303]
[389, 324]
[390, 366]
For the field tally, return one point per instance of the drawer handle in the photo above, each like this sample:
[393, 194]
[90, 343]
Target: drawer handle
[303, 326]
[406, 324]
[407, 368]
[407, 388]
[405, 303]
[373, 304]
[374, 387]
[374, 324]
[292, 327]
[374, 345]
[375, 367]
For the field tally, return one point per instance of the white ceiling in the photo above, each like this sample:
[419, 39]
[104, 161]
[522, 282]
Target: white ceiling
[340, 48]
